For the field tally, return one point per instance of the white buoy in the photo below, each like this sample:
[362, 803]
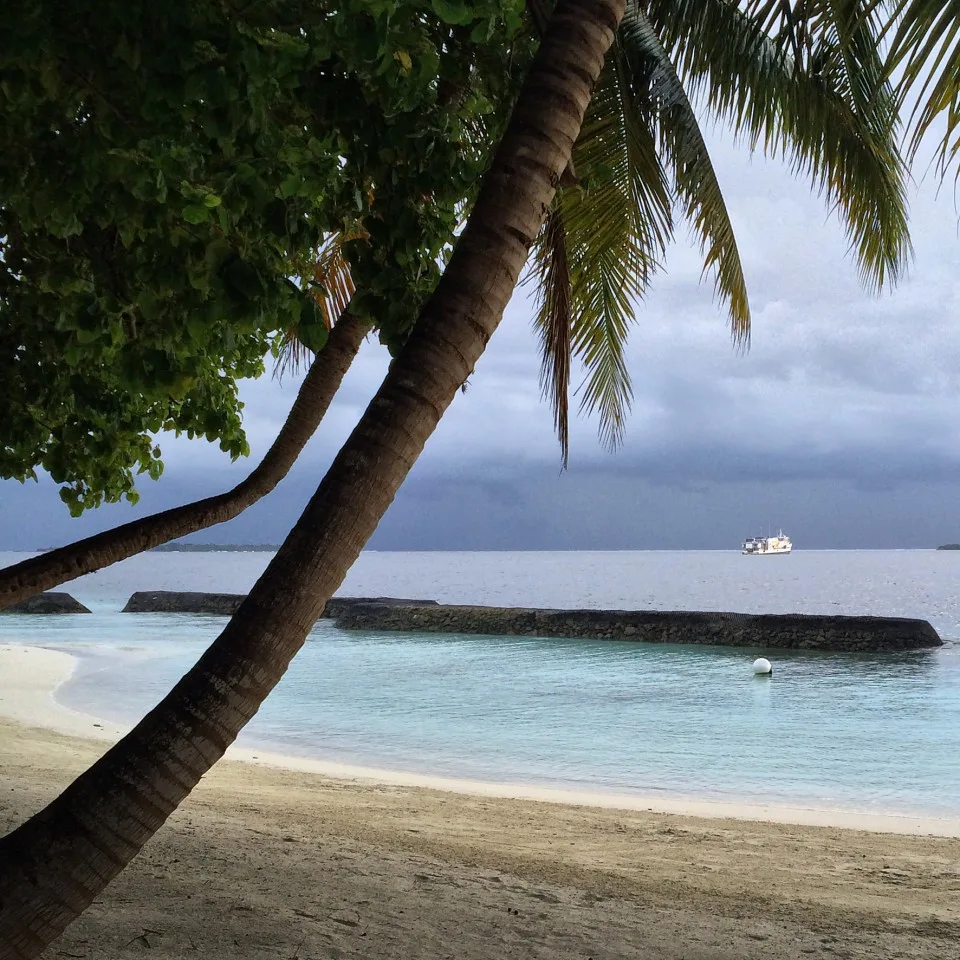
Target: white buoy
[762, 666]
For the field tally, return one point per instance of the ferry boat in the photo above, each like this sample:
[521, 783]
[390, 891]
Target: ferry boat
[767, 546]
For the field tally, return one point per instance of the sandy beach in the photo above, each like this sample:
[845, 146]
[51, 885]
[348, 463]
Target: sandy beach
[324, 861]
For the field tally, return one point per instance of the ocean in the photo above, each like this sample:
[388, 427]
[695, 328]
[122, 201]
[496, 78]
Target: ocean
[831, 731]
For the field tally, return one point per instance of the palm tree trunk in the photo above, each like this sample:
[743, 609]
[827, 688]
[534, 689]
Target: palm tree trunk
[53, 866]
[326, 373]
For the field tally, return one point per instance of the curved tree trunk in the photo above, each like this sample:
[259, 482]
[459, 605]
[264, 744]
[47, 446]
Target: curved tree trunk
[326, 373]
[53, 866]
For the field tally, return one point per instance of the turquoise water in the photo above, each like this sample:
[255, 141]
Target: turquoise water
[862, 732]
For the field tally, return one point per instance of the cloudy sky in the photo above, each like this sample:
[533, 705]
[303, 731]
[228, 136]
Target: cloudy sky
[841, 424]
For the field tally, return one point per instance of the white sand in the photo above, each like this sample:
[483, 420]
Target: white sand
[29, 679]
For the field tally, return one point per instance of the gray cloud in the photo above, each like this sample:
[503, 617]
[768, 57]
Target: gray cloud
[840, 423]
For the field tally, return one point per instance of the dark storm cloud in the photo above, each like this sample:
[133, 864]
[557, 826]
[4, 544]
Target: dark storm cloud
[842, 421]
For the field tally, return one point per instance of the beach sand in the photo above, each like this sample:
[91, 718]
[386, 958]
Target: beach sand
[266, 862]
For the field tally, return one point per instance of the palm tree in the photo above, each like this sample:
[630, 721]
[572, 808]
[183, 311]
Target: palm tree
[53, 866]
[822, 104]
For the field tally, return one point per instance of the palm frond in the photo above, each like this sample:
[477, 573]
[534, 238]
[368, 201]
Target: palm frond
[553, 321]
[615, 227]
[926, 51]
[332, 288]
[618, 229]
[803, 80]
[821, 36]
[807, 83]
[332, 282]
[695, 179]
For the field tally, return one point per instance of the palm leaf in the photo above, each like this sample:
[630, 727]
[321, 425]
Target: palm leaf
[553, 320]
[617, 232]
[803, 80]
[806, 81]
[612, 230]
[838, 36]
[695, 179]
[926, 51]
[332, 281]
[332, 288]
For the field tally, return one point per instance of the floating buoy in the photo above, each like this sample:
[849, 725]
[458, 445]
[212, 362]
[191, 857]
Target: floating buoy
[762, 666]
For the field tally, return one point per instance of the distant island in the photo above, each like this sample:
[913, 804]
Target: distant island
[949, 546]
[217, 548]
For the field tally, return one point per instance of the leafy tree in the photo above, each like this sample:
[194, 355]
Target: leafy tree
[36, 574]
[394, 195]
[166, 169]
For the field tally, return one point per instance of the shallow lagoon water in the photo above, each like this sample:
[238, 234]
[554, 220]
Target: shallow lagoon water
[878, 733]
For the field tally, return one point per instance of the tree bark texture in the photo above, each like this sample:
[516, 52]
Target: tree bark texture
[33, 576]
[53, 866]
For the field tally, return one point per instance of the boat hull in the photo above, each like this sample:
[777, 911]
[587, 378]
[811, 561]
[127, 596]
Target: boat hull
[777, 546]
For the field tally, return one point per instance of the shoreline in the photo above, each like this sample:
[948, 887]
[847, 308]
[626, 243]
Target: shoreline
[30, 675]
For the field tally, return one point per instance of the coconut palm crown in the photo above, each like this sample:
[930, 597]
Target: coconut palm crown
[818, 98]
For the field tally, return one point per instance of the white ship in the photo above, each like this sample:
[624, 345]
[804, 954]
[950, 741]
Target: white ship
[764, 546]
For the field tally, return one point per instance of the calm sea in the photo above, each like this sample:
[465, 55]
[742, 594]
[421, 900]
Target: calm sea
[864, 732]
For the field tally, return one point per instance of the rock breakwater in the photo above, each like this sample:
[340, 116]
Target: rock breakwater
[225, 604]
[48, 603]
[792, 631]
[769, 631]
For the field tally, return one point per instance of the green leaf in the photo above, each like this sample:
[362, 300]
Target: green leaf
[198, 329]
[453, 11]
[196, 213]
[149, 305]
[313, 336]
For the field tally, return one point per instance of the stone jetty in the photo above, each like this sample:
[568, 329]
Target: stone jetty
[789, 631]
[171, 601]
[225, 604]
[48, 603]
